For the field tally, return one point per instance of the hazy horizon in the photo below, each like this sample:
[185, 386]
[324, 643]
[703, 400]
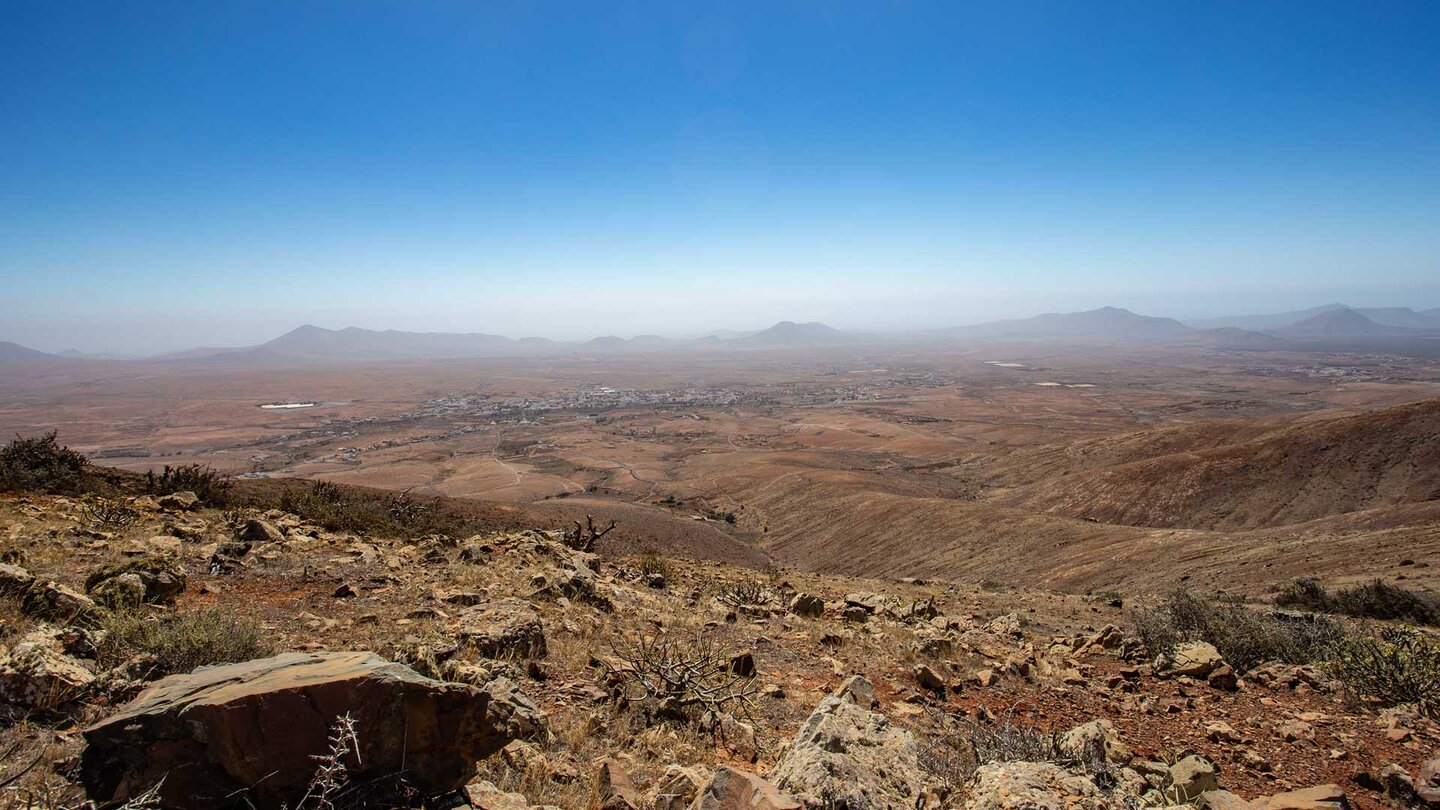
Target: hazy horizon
[178, 175]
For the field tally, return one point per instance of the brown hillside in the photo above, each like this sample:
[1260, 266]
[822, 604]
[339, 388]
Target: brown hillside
[1301, 473]
[846, 527]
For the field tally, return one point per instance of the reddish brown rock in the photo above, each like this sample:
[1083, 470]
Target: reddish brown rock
[250, 730]
[613, 788]
[1320, 797]
[732, 789]
[1427, 787]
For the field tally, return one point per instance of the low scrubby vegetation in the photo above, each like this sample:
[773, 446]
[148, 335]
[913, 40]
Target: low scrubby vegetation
[1396, 666]
[336, 509]
[959, 745]
[1373, 600]
[1391, 665]
[1246, 638]
[651, 564]
[180, 642]
[42, 464]
[209, 485]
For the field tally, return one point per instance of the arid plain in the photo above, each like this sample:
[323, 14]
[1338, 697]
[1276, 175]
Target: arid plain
[1019, 463]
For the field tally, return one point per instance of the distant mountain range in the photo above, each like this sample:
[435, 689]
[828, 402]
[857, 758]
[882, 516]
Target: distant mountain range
[1106, 322]
[1401, 317]
[1330, 327]
[13, 354]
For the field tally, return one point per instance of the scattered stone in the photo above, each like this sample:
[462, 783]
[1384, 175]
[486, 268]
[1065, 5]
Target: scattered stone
[144, 580]
[733, 789]
[483, 795]
[1008, 626]
[1193, 659]
[1031, 786]
[934, 646]
[256, 530]
[38, 674]
[52, 601]
[1191, 777]
[1221, 732]
[1292, 731]
[613, 788]
[463, 598]
[928, 678]
[1397, 785]
[184, 501]
[513, 710]
[1427, 785]
[676, 788]
[807, 605]
[1321, 797]
[1224, 678]
[1222, 800]
[14, 580]
[508, 629]
[254, 727]
[1097, 736]
[476, 553]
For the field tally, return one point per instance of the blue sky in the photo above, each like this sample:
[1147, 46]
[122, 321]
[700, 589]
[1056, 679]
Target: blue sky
[217, 173]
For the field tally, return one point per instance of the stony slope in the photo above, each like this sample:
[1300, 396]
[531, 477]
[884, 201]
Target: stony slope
[935, 661]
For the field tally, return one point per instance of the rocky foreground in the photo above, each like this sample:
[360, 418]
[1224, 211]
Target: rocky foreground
[192, 658]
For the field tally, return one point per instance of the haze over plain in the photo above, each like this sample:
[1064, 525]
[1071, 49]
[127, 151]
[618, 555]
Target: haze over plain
[181, 175]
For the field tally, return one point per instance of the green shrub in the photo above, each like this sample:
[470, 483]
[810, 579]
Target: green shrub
[1245, 637]
[181, 642]
[1374, 600]
[43, 465]
[209, 485]
[1398, 665]
[400, 515]
[650, 563]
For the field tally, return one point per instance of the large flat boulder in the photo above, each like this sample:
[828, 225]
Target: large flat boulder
[249, 732]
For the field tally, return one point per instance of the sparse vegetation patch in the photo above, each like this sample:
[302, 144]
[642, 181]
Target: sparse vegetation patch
[209, 485]
[1246, 638]
[1373, 600]
[180, 642]
[1398, 665]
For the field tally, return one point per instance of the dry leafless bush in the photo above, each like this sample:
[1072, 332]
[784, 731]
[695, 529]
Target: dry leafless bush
[111, 516]
[960, 746]
[682, 679]
[746, 593]
[583, 538]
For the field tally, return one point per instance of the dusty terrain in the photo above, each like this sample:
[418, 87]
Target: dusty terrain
[1076, 467]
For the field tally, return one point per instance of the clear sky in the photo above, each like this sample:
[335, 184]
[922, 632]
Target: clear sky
[216, 173]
